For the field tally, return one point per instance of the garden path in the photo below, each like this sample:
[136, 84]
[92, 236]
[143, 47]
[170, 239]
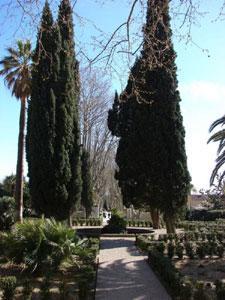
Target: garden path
[124, 274]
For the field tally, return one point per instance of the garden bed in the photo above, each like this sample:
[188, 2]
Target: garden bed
[52, 263]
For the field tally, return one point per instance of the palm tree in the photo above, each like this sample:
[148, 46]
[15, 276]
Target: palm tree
[16, 69]
[218, 136]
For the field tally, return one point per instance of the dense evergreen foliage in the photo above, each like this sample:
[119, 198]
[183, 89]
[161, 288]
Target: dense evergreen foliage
[53, 150]
[41, 120]
[67, 147]
[151, 153]
[86, 195]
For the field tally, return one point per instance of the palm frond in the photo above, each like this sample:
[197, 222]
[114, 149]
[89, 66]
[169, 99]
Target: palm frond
[220, 121]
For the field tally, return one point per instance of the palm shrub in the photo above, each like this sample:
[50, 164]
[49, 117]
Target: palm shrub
[41, 242]
[8, 286]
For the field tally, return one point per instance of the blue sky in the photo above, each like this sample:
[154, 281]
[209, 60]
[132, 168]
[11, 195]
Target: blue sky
[201, 82]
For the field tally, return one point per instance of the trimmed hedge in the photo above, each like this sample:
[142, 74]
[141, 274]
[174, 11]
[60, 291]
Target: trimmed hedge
[206, 215]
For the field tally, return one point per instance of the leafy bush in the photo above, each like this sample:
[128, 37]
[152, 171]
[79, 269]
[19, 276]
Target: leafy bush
[45, 288]
[163, 266]
[116, 224]
[201, 250]
[40, 242]
[170, 250]
[180, 250]
[201, 293]
[220, 290]
[85, 276]
[8, 285]
[190, 249]
[27, 289]
[206, 215]
[7, 212]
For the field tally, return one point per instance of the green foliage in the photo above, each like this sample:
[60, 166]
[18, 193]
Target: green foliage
[8, 285]
[201, 250]
[147, 119]
[189, 247]
[219, 136]
[39, 243]
[116, 224]
[220, 290]
[164, 268]
[53, 150]
[7, 212]
[201, 293]
[170, 250]
[45, 288]
[85, 277]
[180, 250]
[27, 289]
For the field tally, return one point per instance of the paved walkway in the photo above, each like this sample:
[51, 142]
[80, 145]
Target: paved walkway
[123, 273]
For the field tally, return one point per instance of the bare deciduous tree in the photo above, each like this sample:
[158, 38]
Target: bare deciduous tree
[95, 98]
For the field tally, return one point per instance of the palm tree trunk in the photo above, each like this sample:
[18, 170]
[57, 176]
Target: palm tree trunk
[19, 167]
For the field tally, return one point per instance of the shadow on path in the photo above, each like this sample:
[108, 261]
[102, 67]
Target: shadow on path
[124, 274]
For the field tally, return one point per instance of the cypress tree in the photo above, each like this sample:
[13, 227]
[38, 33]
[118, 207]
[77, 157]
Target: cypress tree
[53, 150]
[41, 119]
[86, 195]
[67, 153]
[151, 153]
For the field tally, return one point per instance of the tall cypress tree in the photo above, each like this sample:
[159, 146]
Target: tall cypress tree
[151, 153]
[53, 150]
[41, 118]
[86, 195]
[68, 136]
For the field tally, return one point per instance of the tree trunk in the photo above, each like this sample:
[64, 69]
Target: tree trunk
[19, 167]
[155, 218]
[170, 224]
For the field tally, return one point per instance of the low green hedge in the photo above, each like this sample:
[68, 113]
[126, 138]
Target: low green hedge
[180, 287]
[87, 222]
[139, 223]
[206, 215]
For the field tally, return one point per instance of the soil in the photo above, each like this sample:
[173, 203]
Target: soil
[207, 270]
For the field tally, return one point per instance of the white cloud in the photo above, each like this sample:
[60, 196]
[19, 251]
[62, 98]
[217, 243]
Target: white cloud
[206, 91]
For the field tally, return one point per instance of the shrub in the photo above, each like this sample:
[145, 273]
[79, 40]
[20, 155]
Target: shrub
[86, 275]
[186, 291]
[27, 290]
[201, 293]
[189, 247]
[220, 250]
[160, 246]
[220, 290]
[8, 285]
[45, 288]
[201, 250]
[116, 224]
[40, 242]
[170, 250]
[179, 250]
[162, 265]
[7, 212]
